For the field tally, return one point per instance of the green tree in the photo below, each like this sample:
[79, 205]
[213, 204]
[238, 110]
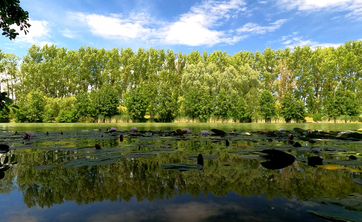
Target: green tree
[31, 107]
[267, 105]
[136, 102]
[292, 108]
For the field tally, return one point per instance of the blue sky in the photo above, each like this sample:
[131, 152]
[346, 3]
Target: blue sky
[185, 25]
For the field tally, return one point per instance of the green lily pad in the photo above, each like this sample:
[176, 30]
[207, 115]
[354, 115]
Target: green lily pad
[90, 162]
[165, 150]
[138, 154]
[240, 151]
[181, 166]
[251, 157]
[337, 216]
[206, 157]
[343, 162]
[358, 181]
[44, 167]
[218, 132]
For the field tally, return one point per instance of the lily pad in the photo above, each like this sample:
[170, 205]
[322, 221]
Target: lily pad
[206, 157]
[336, 216]
[138, 154]
[338, 167]
[181, 166]
[251, 157]
[358, 181]
[218, 132]
[44, 167]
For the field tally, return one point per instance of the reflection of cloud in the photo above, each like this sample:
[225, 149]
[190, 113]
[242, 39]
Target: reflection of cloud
[192, 211]
[17, 216]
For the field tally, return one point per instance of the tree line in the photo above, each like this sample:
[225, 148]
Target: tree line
[54, 84]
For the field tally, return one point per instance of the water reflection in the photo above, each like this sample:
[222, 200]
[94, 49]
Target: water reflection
[69, 169]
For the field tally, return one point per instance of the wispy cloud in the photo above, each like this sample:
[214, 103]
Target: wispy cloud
[257, 29]
[293, 40]
[353, 7]
[200, 26]
[68, 33]
[114, 26]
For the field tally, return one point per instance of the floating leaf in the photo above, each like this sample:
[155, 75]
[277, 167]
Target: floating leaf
[44, 167]
[218, 132]
[338, 167]
[181, 166]
[358, 181]
[206, 157]
[336, 216]
[251, 157]
[138, 154]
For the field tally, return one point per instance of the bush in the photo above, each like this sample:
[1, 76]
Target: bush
[4, 116]
[86, 119]
[66, 116]
[317, 117]
[345, 118]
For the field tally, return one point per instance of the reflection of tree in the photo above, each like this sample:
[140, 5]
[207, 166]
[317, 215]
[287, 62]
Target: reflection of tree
[144, 179]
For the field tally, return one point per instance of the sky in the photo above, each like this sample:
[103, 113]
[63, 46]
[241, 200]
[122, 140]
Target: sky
[188, 25]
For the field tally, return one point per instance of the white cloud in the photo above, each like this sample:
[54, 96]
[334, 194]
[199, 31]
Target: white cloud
[38, 32]
[197, 27]
[257, 29]
[353, 6]
[68, 33]
[114, 26]
[293, 41]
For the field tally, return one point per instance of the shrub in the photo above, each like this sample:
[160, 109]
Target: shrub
[317, 117]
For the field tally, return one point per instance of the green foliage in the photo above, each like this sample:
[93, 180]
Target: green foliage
[198, 86]
[238, 110]
[292, 108]
[267, 105]
[167, 104]
[104, 102]
[31, 108]
[4, 116]
[5, 102]
[222, 104]
[66, 116]
[137, 102]
[11, 13]
[317, 117]
[82, 105]
[86, 119]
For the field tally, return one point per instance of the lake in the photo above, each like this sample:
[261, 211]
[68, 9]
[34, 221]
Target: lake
[156, 174]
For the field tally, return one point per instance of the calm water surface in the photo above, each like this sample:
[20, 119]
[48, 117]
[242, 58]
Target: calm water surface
[62, 177]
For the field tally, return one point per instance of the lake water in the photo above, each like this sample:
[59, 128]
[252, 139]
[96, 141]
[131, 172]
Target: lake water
[60, 176]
